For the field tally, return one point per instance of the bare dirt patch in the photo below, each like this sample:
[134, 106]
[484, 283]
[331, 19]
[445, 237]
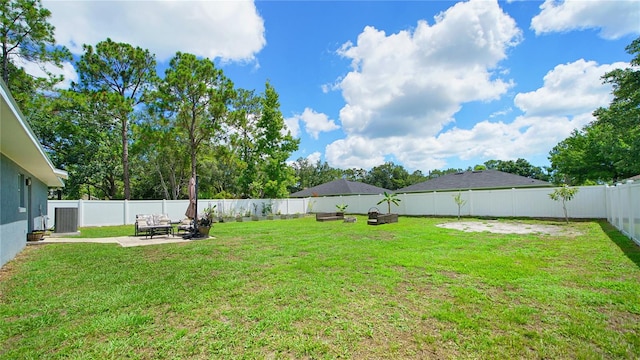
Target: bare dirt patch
[509, 227]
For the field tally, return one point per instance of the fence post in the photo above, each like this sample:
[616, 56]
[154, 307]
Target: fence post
[607, 206]
[80, 213]
[620, 212]
[630, 210]
[513, 202]
[125, 212]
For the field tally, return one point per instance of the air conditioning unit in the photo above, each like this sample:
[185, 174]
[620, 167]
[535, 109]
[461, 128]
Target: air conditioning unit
[66, 220]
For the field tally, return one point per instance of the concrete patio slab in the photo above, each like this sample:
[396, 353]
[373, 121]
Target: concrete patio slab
[124, 241]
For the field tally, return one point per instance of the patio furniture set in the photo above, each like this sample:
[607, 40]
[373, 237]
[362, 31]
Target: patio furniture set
[159, 224]
[374, 217]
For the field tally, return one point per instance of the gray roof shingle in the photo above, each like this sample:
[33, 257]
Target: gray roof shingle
[339, 187]
[484, 179]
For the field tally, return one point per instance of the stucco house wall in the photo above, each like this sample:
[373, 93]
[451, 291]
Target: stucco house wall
[26, 173]
[24, 205]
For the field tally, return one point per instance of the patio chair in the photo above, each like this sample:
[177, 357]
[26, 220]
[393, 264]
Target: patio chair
[186, 225]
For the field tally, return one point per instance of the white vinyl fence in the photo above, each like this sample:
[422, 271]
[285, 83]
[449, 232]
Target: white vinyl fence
[623, 209]
[589, 202]
[123, 212]
[619, 204]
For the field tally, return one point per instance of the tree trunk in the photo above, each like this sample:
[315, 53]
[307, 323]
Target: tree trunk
[5, 64]
[193, 163]
[125, 159]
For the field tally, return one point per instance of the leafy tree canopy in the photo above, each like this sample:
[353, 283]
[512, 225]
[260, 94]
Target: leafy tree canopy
[26, 34]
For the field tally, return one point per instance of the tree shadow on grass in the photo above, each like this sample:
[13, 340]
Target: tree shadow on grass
[628, 247]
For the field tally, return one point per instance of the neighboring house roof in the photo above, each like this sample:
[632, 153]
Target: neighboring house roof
[340, 187]
[18, 143]
[634, 178]
[468, 180]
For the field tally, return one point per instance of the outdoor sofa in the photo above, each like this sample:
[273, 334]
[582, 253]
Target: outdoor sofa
[150, 225]
[329, 216]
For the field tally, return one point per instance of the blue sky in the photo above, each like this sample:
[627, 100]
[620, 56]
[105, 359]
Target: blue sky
[425, 84]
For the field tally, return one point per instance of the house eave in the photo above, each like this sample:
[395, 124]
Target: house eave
[19, 144]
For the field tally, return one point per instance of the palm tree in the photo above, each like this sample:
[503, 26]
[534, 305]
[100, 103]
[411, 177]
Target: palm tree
[389, 198]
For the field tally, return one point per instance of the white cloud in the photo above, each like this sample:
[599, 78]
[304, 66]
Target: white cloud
[228, 30]
[354, 152]
[293, 125]
[566, 101]
[569, 95]
[414, 81]
[614, 18]
[404, 87]
[40, 70]
[315, 122]
[314, 157]
[569, 89]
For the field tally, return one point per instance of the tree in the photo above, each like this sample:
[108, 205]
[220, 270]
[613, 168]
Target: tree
[388, 176]
[582, 158]
[416, 177]
[354, 174]
[323, 173]
[118, 75]
[244, 118]
[389, 198]
[25, 33]
[27, 37]
[607, 149]
[304, 171]
[564, 194]
[194, 96]
[81, 137]
[310, 175]
[519, 167]
[274, 146]
[437, 173]
[163, 158]
[460, 202]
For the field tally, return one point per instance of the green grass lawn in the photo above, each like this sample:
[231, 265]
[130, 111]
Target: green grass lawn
[304, 289]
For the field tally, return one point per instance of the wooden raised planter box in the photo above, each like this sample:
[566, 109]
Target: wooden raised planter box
[379, 219]
[329, 216]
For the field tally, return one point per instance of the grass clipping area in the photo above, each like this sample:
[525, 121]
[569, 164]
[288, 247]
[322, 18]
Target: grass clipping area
[305, 289]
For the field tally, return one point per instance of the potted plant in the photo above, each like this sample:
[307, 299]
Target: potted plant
[342, 208]
[205, 221]
[35, 235]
